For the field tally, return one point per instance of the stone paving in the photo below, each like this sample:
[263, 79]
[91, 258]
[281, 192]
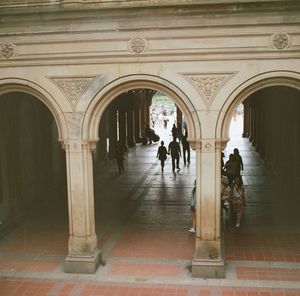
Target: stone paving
[142, 217]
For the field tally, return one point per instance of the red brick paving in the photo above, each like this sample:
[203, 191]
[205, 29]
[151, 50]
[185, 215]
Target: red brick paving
[154, 244]
[149, 270]
[274, 246]
[28, 265]
[276, 274]
[20, 287]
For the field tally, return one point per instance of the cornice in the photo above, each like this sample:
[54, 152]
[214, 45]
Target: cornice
[60, 7]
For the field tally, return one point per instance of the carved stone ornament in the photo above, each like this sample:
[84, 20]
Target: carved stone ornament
[7, 50]
[208, 84]
[72, 87]
[138, 45]
[281, 40]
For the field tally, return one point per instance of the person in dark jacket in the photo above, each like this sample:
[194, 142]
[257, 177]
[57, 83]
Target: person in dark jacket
[175, 151]
[162, 154]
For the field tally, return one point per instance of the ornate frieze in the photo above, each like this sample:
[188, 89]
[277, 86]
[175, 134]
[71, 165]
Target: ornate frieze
[281, 40]
[137, 45]
[208, 84]
[7, 50]
[72, 87]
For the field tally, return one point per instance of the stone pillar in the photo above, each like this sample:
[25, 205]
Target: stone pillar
[208, 260]
[130, 122]
[123, 127]
[246, 120]
[83, 255]
[178, 116]
[112, 130]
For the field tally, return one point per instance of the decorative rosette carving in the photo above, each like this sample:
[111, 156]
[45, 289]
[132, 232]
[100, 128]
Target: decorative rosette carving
[281, 40]
[7, 50]
[138, 45]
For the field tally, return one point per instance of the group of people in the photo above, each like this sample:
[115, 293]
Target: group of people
[175, 151]
[233, 183]
[233, 189]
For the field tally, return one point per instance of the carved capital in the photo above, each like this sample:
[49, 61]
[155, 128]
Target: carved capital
[79, 145]
[221, 143]
[195, 144]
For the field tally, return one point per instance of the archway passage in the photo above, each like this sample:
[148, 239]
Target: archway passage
[269, 144]
[33, 194]
[142, 213]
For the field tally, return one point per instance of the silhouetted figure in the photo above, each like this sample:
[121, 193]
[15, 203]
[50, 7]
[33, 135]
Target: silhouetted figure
[193, 209]
[230, 169]
[222, 162]
[186, 149]
[174, 131]
[179, 132]
[237, 199]
[175, 151]
[120, 150]
[162, 155]
[148, 133]
[238, 162]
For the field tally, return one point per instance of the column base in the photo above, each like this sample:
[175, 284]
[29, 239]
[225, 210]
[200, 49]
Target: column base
[83, 264]
[208, 261]
[208, 269]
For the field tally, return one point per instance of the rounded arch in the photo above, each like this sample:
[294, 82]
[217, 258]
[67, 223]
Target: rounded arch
[21, 85]
[244, 90]
[106, 95]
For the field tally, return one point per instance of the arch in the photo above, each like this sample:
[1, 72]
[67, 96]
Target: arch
[244, 90]
[8, 85]
[106, 95]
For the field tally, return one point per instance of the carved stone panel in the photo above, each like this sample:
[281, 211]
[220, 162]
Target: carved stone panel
[281, 40]
[72, 87]
[208, 84]
[137, 45]
[7, 50]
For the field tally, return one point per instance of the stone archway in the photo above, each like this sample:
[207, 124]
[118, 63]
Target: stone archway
[32, 161]
[28, 87]
[106, 96]
[286, 78]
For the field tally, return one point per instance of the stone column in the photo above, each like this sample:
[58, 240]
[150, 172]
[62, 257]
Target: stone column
[112, 131]
[246, 120]
[83, 255]
[208, 260]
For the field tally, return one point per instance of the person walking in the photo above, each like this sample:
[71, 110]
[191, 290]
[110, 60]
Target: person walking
[230, 169]
[186, 149]
[237, 199]
[239, 166]
[162, 155]
[175, 151]
[193, 209]
[120, 150]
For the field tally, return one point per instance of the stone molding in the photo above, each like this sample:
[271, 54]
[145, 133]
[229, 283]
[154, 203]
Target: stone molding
[72, 87]
[208, 84]
[78, 145]
[8, 50]
[281, 40]
[208, 145]
[137, 45]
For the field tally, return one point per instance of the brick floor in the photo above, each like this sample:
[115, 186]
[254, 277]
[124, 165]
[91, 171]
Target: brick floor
[142, 270]
[141, 222]
[276, 274]
[154, 244]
